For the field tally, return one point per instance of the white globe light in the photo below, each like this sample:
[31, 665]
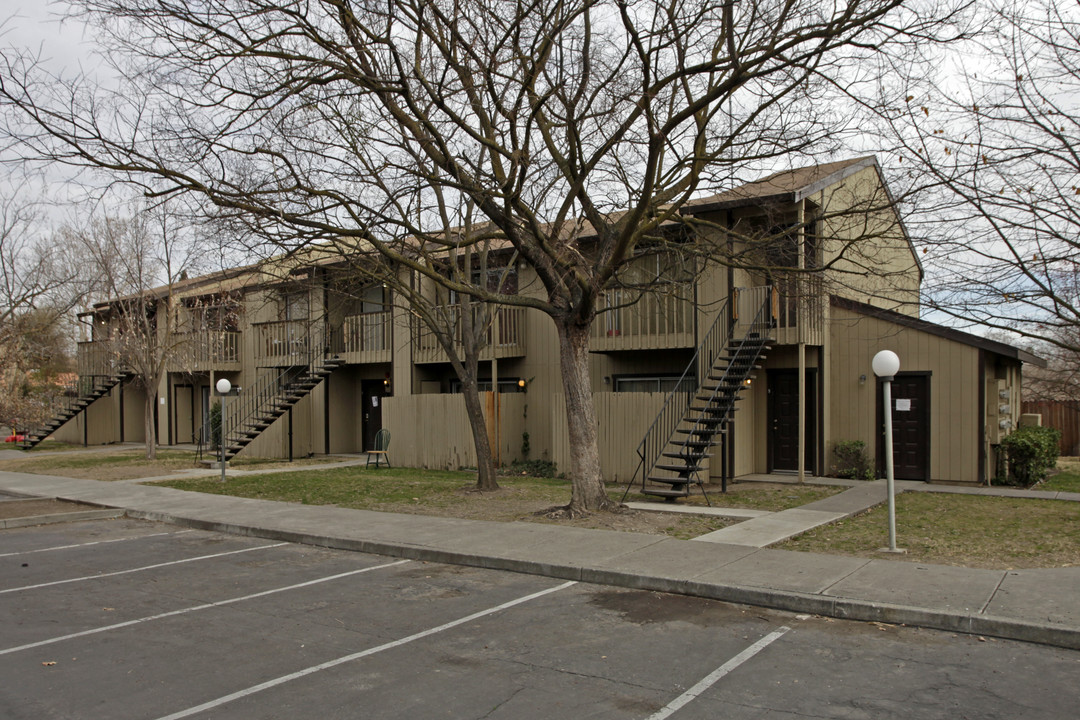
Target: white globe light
[886, 363]
[223, 386]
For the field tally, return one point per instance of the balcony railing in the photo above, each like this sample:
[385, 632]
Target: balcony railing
[799, 306]
[207, 350]
[364, 338]
[505, 335]
[661, 318]
[282, 343]
[97, 358]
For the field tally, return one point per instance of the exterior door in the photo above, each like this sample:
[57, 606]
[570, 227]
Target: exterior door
[911, 427]
[184, 419]
[371, 392]
[783, 387]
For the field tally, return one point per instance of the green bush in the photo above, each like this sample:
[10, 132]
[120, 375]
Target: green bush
[214, 423]
[532, 468]
[1030, 453]
[852, 460]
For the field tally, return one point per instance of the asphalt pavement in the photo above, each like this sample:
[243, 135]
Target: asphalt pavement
[733, 565]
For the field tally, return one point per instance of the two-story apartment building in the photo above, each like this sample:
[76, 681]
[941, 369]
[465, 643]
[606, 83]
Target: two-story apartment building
[325, 360]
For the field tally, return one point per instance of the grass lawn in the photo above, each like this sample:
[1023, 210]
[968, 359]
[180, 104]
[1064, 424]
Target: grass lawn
[126, 464]
[973, 531]
[1067, 479]
[442, 493]
[754, 496]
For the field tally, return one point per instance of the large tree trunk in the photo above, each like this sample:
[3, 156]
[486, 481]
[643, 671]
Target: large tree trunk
[485, 461]
[588, 492]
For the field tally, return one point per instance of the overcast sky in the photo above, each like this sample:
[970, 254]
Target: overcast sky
[36, 25]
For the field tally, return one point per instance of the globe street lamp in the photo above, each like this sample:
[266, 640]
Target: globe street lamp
[886, 364]
[223, 388]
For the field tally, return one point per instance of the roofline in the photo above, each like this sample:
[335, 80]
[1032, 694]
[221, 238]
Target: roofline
[998, 348]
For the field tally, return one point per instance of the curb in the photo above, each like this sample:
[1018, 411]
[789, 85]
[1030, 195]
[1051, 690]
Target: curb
[790, 601]
[60, 518]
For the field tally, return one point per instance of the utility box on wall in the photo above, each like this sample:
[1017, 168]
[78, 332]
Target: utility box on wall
[998, 410]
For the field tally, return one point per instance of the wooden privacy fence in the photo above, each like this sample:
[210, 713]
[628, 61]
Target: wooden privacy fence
[1064, 415]
[432, 431]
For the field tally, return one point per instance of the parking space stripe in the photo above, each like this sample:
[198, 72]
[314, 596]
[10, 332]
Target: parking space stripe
[195, 608]
[358, 655]
[140, 569]
[96, 542]
[712, 678]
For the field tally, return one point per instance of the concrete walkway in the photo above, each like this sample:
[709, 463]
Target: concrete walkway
[1033, 605]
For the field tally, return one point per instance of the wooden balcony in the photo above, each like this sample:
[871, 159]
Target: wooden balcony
[97, 358]
[799, 310]
[283, 343]
[204, 350]
[505, 336]
[660, 319]
[364, 338]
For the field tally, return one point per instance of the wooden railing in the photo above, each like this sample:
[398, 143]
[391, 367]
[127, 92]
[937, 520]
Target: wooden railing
[660, 318]
[208, 349]
[505, 334]
[285, 342]
[800, 312]
[364, 338]
[97, 358]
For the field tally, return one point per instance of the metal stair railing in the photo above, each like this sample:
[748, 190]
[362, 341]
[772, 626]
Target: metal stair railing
[677, 404]
[257, 402]
[75, 397]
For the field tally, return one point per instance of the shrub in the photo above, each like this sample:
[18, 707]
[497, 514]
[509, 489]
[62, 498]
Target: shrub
[532, 468]
[852, 460]
[214, 427]
[1031, 452]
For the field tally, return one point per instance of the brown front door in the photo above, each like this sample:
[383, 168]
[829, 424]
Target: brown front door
[911, 427]
[783, 387]
[371, 393]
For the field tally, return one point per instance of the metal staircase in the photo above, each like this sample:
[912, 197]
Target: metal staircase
[677, 446]
[74, 399]
[256, 408]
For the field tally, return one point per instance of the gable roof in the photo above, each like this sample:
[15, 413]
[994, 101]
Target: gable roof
[998, 348]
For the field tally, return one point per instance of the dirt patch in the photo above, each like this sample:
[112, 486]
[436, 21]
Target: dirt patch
[515, 504]
[33, 508]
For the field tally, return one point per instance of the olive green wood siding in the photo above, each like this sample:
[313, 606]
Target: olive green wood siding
[955, 417]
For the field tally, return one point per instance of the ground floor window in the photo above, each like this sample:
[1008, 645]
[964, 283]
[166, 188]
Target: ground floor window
[654, 383]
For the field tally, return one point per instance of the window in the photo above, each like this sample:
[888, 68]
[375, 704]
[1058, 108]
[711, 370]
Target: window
[655, 383]
[511, 385]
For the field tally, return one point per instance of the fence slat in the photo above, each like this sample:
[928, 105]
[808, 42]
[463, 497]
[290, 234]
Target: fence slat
[1063, 415]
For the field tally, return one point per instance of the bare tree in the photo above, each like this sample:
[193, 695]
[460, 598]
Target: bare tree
[575, 129]
[992, 146]
[137, 261]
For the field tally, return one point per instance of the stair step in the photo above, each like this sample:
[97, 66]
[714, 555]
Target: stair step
[700, 432]
[692, 467]
[666, 493]
[685, 456]
[674, 480]
[689, 443]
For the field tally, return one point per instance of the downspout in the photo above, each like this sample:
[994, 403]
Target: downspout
[800, 327]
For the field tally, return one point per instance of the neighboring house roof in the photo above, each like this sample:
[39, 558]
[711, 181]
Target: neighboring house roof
[949, 333]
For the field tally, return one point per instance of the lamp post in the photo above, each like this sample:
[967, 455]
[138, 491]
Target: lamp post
[886, 364]
[223, 388]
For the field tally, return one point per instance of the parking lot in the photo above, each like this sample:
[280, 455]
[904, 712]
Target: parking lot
[128, 619]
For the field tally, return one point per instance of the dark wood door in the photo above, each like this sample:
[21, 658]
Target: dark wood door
[372, 393]
[783, 387]
[911, 427]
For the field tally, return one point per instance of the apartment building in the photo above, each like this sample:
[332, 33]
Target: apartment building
[779, 337]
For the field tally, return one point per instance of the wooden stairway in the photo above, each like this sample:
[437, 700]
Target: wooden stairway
[76, 398]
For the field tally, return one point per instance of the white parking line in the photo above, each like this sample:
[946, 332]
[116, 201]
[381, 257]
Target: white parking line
[96, 542]
[194, 608]
[356, 656]
[711, 679]
[139, 569]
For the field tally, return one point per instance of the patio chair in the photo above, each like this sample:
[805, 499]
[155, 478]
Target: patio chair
[382, 447]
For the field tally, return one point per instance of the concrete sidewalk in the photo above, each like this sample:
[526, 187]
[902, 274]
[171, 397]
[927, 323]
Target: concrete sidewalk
[1032, 605]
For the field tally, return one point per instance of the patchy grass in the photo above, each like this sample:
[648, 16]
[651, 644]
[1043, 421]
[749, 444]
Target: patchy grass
[51, 446]
[127, 464]
[972, 531]
[1065, 479]
[754, 495]
[444, 494]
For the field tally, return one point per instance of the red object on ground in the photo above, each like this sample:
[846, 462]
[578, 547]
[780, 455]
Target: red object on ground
[15, 438]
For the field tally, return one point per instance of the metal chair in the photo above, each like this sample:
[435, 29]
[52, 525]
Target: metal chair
[382, 447]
